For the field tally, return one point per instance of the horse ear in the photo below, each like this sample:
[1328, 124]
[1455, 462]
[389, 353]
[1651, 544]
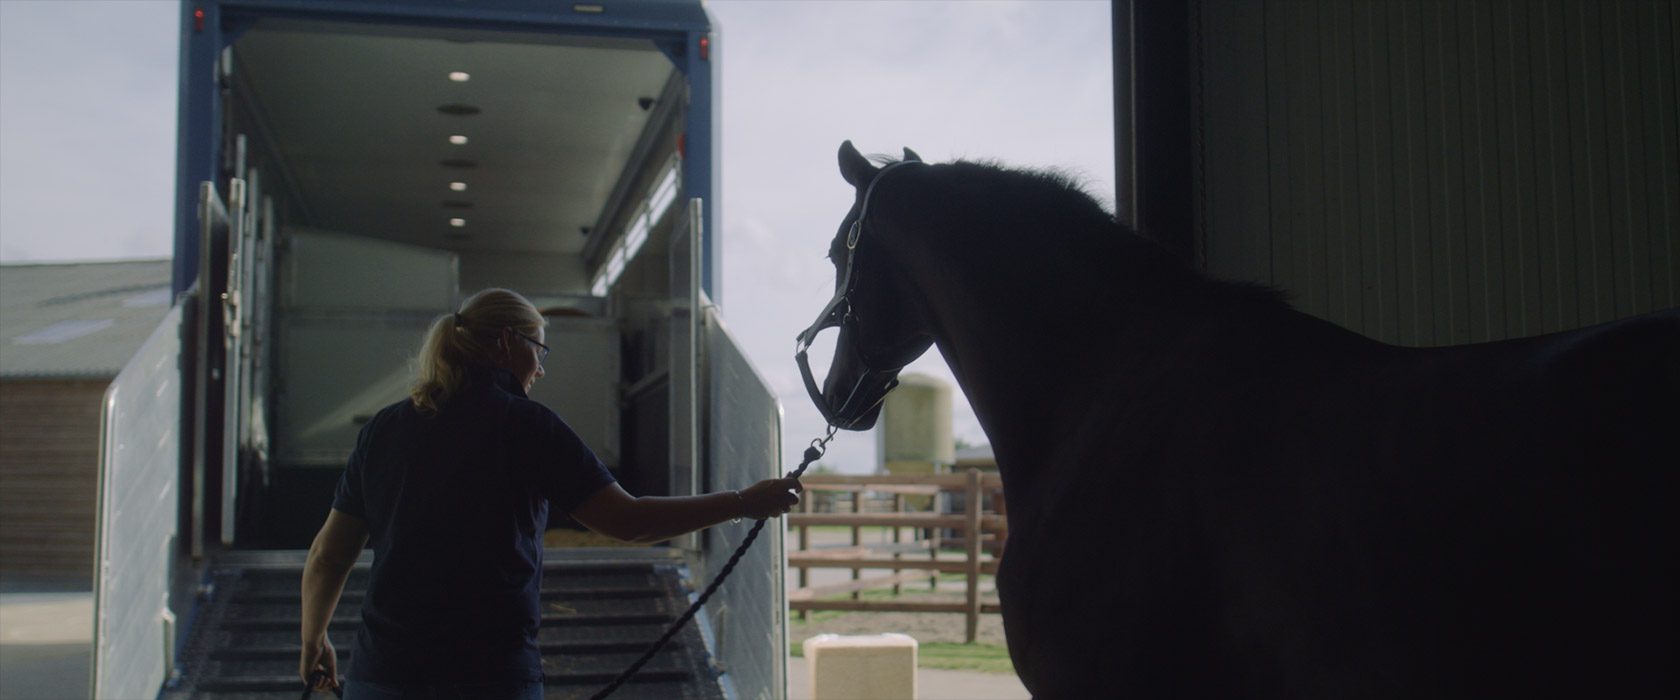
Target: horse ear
[911, 155]
[854, 167]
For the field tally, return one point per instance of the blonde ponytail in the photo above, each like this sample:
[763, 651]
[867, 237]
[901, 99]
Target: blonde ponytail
[467, 337]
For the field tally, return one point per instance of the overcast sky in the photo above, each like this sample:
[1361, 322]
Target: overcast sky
[87, 139]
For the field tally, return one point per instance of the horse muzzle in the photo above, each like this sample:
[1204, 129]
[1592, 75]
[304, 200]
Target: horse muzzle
[852, 395]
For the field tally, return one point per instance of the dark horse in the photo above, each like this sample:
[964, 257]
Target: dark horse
[1214, 495]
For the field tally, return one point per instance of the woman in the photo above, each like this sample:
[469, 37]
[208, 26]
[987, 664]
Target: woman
[452, 487]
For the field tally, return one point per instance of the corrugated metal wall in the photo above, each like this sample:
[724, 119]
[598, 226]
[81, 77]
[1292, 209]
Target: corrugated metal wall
[1439, 172]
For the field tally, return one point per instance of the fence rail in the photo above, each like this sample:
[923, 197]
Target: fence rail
[981, 535]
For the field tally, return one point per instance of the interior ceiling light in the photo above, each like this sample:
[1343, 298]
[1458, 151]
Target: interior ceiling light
[458, 186]
[458, 139]
[457, 223]
[457, 109]
[459, 76]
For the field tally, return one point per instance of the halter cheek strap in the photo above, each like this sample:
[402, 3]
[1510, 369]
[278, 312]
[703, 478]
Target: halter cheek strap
[827, 318]
[844, 289]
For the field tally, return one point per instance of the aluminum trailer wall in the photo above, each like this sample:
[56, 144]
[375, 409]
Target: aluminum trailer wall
[139, 462]
[742, 445]
[1424, 173]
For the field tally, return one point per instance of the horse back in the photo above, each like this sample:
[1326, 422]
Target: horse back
[1344, 518]
[1493, 517]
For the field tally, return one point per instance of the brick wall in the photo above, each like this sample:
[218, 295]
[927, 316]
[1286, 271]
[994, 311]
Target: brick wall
[49, 455]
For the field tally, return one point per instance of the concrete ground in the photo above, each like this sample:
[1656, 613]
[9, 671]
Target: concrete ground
[46, 653]
[46, 645]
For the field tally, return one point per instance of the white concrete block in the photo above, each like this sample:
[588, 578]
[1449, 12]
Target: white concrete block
[867, 667]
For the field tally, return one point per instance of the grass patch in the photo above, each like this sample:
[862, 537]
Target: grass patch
[985, 658]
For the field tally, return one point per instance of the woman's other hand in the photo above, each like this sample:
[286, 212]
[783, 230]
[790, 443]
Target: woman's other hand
[770, 498]
[321, 661]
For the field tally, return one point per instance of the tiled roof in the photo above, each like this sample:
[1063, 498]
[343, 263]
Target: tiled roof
[78, 320]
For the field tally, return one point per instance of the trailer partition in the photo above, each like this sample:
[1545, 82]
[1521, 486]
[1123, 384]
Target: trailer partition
[139, 462]
[684, 262]
[743, 427]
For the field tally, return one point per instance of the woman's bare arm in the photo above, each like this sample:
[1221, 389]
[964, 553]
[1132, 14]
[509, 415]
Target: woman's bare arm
[331, 556]
[613, 512]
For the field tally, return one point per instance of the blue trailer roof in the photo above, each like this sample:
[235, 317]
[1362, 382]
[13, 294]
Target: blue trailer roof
[637, 17]
[679, 28]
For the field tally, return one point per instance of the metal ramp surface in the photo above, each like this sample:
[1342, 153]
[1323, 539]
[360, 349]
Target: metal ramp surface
[601, 609]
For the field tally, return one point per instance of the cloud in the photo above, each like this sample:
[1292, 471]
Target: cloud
[87, 126]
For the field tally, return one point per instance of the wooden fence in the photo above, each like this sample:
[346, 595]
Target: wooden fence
[901, 502]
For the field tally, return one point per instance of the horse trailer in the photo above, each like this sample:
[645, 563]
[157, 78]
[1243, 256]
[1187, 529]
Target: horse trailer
[349, 170]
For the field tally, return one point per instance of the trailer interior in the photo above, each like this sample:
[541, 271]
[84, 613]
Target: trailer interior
[373, 167]
[390, 175]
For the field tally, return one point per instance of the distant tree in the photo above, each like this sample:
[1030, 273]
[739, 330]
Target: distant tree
[963, 444]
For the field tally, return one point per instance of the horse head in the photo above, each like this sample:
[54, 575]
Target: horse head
[875, 323]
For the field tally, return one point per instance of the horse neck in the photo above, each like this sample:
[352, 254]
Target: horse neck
[1038, 335]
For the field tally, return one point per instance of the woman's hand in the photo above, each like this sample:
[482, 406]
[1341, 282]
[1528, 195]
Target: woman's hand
[319, 659]
[770, 498]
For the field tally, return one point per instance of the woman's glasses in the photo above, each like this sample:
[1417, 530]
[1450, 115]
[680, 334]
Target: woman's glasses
[542, 350]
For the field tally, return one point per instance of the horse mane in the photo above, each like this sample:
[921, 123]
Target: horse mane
[1053, 185]
[1068, 205]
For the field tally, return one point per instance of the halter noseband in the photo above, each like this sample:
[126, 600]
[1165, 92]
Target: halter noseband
[846, 415]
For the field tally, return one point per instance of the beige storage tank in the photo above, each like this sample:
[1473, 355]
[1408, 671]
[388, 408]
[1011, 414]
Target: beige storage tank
[916, 426]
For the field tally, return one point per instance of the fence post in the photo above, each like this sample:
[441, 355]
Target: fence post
[1000, 505]
[898, 539]
[857, 537]
[805, 546]
[972, 540]
[936, 538]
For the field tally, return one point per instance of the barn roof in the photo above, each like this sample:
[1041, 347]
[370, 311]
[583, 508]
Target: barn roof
[977, 455]
[78, 320]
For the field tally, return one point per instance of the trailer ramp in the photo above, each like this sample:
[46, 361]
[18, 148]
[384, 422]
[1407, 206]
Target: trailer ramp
[601, 609]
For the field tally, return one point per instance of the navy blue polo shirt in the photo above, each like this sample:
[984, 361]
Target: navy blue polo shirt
[456, 504]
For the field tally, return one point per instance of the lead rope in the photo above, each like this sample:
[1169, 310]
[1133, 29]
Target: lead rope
[812, 454]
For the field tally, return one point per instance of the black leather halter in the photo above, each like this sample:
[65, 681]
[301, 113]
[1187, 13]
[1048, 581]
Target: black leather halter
[838, 313]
